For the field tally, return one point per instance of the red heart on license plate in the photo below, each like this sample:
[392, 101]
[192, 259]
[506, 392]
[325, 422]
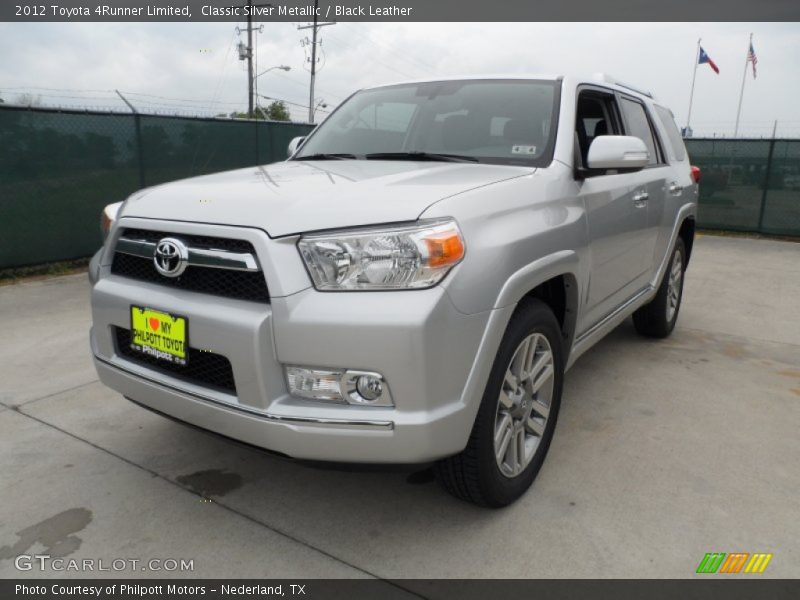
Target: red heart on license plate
[154, 323]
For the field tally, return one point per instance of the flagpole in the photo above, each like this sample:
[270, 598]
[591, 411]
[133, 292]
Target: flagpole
[691, 93]
[741, 92]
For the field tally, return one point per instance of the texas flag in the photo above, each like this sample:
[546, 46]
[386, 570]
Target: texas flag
[705, 58]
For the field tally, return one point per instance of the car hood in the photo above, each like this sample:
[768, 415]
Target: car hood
[300, 196]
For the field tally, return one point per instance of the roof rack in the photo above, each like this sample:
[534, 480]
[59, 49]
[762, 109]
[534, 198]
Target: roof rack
[606, 78]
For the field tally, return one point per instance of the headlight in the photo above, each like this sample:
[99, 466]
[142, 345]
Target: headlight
[405, 257]
[108, 216]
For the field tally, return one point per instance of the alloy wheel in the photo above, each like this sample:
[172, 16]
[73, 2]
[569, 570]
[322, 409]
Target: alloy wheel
[674, 286]
[523, 405]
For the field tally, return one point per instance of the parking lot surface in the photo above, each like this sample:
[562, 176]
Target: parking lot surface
[664, 450]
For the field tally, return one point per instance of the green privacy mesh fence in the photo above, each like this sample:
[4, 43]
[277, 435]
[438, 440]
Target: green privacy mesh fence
[748, 185]
[59, 168]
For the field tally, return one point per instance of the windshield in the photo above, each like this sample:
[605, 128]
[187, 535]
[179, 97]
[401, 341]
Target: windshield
[493, 121]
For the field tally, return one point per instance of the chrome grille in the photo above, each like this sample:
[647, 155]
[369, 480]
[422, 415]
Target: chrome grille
[217, 266]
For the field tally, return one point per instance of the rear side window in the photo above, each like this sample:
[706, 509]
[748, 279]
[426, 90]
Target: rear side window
[675, 140]
[639, 126]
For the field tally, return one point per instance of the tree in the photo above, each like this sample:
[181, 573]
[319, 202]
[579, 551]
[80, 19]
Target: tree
[276, 111]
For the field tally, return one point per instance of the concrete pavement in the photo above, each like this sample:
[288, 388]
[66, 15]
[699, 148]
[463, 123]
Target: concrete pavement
[664, 450]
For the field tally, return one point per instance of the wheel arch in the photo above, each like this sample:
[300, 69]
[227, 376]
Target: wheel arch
[551, 279]
[560, 294]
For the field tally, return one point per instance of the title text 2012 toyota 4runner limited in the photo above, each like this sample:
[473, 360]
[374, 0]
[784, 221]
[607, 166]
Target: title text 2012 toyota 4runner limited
[412, 283]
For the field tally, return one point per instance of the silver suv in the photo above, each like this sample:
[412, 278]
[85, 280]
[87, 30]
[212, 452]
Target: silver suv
[411, 285]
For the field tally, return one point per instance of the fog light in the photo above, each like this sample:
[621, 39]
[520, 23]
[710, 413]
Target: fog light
[344, 386]
[366, 388]
[369, 387]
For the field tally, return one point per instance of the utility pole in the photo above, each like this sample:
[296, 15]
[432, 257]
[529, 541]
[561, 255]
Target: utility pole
[250, 59]
[314, 27]
[246, 53]
[313, 66]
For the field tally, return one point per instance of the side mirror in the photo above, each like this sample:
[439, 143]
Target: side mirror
[294, 145]
[623, 152]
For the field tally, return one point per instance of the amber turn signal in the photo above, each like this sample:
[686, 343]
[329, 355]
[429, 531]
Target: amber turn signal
[444, 250]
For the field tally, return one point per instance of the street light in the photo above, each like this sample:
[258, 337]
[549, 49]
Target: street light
[320, 104]
[281, 67]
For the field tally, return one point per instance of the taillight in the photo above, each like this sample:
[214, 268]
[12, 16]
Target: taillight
[696, 174]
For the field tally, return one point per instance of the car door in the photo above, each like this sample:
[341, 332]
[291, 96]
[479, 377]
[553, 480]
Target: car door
[651, 184]
[616, 217]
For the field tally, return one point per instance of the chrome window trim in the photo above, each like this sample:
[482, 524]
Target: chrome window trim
[198, 257]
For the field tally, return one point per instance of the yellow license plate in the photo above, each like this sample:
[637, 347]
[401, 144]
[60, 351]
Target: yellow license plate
[159, 334]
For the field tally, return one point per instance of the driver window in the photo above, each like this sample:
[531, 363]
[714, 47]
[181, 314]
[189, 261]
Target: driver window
[596, 116]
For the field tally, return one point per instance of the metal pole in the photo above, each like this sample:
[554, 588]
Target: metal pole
[250, 59]
[691, 93]
[256, 125]
[741, 93]
[313, 65]
[767, 173]
[270, 132]
[137, 128]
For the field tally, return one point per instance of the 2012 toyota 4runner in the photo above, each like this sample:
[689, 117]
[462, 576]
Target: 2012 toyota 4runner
[412, 283]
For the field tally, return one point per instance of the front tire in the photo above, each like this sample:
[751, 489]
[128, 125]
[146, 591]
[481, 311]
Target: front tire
[657, 318]
[517, 416]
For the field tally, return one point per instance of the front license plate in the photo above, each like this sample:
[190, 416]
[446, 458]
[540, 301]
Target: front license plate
[159, 334]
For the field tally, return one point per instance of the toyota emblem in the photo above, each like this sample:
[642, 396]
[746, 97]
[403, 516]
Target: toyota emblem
[171, 257]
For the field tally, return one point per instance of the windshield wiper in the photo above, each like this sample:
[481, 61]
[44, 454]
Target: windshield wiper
[418, 155]
[339, 156]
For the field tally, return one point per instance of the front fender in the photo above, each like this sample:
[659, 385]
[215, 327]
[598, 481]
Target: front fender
[532, 275]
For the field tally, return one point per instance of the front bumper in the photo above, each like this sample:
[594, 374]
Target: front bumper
[432, 356]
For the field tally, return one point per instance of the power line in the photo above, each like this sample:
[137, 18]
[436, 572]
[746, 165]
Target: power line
[224, 70]
[177, 99]
[290, 102]
[375, 59]
[326, 91]
[33, 87]
[400, 53]
[142, 97]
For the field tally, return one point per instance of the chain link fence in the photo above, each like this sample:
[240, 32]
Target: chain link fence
[59, 168]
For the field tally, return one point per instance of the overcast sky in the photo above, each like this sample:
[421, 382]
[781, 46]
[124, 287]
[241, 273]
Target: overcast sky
[194, 67]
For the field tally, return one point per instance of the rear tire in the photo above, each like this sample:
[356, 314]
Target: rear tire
[520, 406]
[657, 318]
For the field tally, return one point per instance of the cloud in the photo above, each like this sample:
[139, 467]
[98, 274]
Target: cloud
[194, 66]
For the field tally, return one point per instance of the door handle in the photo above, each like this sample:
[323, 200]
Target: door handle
[675, 189]
[640, 199]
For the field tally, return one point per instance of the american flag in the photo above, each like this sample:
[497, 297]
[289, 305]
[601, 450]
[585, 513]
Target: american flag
[751, 57]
